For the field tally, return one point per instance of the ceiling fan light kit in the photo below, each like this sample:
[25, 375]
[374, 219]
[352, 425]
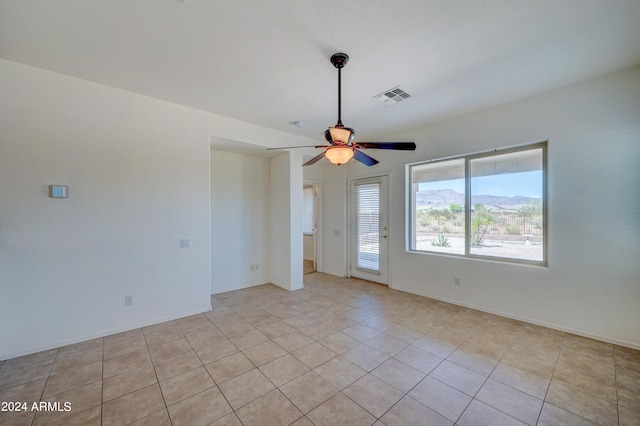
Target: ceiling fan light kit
[341, 146]
[339, 155]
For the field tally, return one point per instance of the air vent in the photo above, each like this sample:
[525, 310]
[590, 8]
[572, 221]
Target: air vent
[392, 96]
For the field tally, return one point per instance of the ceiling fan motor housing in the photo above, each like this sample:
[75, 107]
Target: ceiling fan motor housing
[339, 127]
[339, 60]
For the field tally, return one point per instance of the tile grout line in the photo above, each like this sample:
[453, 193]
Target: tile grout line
[473, 398]
[33, 419]
[155, 372]
[102, 387]
[615, 383]
[555, 365]
[276, 387]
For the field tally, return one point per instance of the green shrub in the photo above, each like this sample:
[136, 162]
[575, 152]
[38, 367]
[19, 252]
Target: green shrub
[423, 218]
[441, 241]
[512, 230]
[480, 225]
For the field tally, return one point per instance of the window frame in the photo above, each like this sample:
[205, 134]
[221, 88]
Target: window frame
[411, 217]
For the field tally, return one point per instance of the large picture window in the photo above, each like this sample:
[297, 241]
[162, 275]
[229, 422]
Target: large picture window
[489, 205]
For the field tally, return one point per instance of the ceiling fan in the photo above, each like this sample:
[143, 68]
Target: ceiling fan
[341, 146]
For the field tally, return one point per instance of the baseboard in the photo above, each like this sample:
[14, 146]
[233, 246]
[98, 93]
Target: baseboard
[529, 320]
[84, 338]
[239, 287]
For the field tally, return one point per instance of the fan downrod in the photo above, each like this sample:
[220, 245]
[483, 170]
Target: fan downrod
[339, 60]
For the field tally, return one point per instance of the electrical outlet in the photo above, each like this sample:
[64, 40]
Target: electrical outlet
[456, 280]
[186, 243]
[128, 300]
[255, 267]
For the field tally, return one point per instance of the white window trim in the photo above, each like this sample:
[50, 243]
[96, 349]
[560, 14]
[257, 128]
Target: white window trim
[411, 207]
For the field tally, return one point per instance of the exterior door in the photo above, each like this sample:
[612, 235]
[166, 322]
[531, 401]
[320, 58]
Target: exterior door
[369, 229]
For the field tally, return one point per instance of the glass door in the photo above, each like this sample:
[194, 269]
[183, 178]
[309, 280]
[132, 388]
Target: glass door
[369, 229]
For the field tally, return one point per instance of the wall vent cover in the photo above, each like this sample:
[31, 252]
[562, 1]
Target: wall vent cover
[392, 96]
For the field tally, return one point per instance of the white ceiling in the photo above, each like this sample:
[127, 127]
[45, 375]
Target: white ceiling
[267, 61]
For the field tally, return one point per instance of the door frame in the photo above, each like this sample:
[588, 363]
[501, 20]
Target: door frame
[384, 278]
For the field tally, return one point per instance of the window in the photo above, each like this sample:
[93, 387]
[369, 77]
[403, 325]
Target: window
[367, 204]
[488, 205]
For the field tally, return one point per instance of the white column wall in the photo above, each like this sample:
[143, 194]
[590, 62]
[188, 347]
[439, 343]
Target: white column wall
[286, 221]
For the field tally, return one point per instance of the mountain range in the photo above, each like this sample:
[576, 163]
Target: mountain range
[441, 198]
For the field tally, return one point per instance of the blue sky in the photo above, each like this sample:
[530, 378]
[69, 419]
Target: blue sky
[528, 184]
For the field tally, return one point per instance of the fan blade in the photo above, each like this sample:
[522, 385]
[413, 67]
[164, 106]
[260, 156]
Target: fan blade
[364, 158]
[315, 159]
[404, 146]
[304, 146]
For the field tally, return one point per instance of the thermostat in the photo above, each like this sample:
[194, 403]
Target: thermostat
[58, 191]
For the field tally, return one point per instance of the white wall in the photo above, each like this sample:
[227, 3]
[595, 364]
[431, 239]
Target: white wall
[138, 179]
[334, 219]
[138, 172]
[592, 283]
[240, 220]
[286, 221]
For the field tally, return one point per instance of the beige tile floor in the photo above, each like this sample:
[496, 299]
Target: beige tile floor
[337, 352]
[307, 266]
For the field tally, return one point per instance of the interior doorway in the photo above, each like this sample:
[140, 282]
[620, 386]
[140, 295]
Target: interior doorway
[311, 226]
